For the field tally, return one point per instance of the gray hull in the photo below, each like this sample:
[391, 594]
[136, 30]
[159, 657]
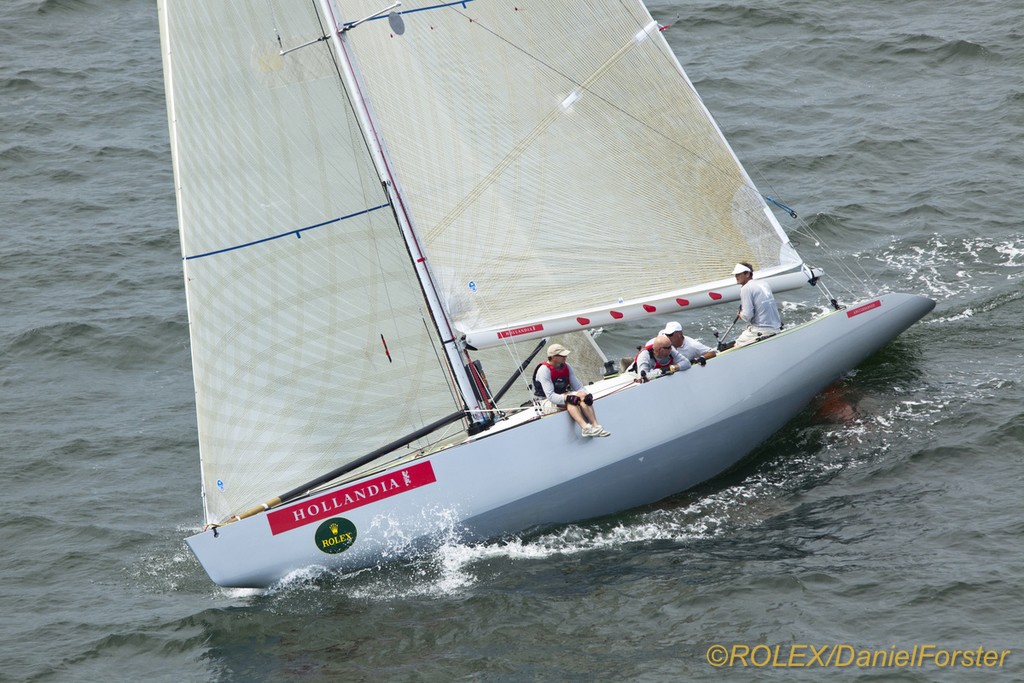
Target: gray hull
[668, 435]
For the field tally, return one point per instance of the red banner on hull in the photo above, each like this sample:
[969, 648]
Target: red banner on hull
[864, 309]
[342, 500]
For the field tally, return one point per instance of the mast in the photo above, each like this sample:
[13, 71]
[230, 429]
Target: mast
[375, 143]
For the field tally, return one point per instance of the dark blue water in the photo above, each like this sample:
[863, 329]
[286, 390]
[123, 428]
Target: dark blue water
[888, 515]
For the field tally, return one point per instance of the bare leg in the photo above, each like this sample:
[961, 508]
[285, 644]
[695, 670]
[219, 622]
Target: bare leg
[575, 414]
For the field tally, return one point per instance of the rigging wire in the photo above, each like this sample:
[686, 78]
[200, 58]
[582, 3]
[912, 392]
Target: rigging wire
[802, 228]
[858, 275]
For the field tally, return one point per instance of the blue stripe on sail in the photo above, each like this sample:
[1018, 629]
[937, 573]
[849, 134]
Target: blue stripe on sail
[421, 9]
[297, 233]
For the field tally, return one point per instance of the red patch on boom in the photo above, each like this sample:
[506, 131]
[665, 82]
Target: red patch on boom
[504, 334]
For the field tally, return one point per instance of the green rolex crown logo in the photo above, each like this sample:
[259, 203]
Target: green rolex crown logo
[335, 535]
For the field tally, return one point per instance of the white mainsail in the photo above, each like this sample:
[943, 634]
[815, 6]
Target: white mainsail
[296, 273]
[530, 139]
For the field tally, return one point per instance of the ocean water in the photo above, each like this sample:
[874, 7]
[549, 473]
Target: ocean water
[888, 515]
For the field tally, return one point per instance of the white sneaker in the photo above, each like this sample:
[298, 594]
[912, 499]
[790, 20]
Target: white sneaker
[600, 431]
[589, 431]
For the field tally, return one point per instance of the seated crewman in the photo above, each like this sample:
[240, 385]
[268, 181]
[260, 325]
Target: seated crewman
[690, 348]
[556, 382]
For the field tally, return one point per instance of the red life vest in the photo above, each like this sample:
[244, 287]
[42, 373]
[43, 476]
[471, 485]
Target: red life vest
[559, 378]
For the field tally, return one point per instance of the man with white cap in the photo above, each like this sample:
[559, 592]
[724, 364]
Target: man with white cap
[757, 306]
[556, 382]
[690, 348]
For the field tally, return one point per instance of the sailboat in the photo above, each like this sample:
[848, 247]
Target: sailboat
[371, 198]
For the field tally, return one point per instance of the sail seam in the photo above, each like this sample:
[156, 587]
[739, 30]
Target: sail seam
[297, 233]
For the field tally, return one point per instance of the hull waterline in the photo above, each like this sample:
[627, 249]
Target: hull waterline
[668, 435]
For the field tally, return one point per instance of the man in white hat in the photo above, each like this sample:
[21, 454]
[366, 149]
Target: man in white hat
[757, 306]
[690, 348]
[681, 354]
[557, 384]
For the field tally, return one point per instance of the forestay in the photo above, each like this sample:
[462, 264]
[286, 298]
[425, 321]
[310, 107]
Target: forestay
[295, 271]
[555, 157]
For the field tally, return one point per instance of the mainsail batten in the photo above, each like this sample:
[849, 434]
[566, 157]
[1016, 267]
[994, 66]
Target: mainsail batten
[290, 233]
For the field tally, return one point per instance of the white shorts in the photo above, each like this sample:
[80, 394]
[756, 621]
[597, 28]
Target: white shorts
[754, 333]
[547, 407]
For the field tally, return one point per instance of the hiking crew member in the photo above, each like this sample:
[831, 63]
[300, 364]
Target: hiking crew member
[757, 306]
[557, 384]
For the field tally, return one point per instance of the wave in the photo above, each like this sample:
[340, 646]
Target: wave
[1014, 99]
[935, 48]
[11, 87]
[17, 154]
[940, 264]
[730, 15]
[116, 343]
[65, 6]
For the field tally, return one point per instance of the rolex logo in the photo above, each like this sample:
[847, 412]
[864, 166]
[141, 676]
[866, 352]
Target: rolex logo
[335, 535]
